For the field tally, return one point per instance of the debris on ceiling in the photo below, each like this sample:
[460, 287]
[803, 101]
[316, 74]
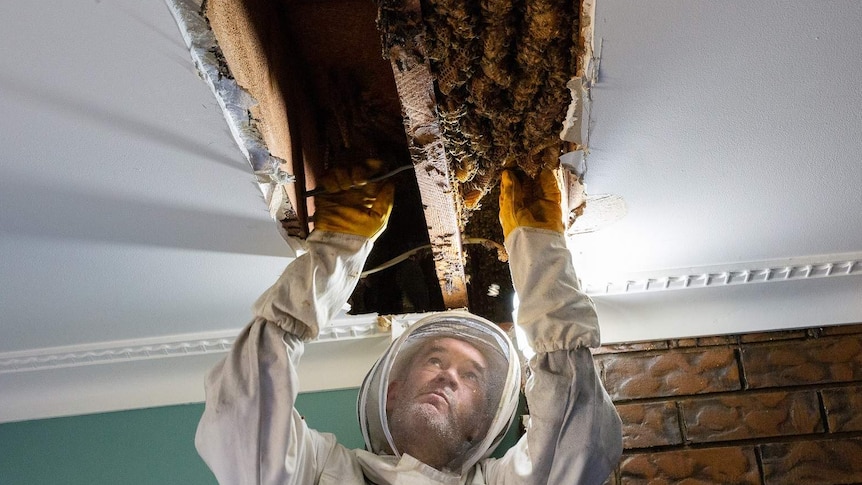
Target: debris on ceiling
[457, 90]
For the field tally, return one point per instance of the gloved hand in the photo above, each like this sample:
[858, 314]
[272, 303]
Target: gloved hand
[350, 204]
[529, 202]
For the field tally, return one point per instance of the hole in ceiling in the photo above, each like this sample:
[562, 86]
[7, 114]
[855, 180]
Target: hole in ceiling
[328, 77]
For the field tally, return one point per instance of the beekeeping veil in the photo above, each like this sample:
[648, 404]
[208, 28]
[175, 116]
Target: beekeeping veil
[502, 392]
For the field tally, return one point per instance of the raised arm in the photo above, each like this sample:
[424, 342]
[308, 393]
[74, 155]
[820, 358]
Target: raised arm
[573, 435]
[250, 432]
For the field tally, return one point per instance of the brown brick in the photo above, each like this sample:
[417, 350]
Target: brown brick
[632, 347]
[841, 329]
[682, 343]
[813, 361]
[744, 416]
[773, 336]
[813, 462]
[843, 408]
[725, 465]
[646, 425]
[669, 373]
[705, 341]
[717, 340]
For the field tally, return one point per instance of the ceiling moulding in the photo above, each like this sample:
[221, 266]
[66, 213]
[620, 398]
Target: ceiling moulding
[372, 326]
[344, 328]
[773, 271]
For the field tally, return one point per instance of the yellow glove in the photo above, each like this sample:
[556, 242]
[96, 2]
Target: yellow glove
[351, 204]
[530, 202]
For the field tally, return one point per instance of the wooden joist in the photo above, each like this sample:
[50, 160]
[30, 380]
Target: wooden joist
[415, 85]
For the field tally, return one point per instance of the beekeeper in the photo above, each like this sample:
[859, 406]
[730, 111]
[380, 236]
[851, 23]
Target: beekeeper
[439, 400]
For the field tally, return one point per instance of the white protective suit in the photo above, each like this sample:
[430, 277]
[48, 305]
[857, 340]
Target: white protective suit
[250, 432]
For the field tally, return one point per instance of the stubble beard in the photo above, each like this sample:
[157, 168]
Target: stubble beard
[424, 420]
[421, 429]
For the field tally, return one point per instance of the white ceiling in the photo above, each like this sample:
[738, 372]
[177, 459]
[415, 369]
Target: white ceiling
[130, 223]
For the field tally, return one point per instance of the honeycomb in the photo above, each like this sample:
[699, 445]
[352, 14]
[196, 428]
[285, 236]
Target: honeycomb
[500, 70]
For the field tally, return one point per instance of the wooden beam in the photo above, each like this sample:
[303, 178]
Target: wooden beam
[415, 85]
[415, 88]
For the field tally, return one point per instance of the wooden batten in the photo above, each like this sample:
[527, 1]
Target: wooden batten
[415, 86]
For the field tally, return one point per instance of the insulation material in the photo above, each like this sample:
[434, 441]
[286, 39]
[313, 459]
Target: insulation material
[237, 105]
[256, 53]
[577, 123]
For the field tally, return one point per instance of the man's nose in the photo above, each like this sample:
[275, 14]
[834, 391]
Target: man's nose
[448, 377]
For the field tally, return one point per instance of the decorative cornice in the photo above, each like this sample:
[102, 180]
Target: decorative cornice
[370, 326]
[365, 326]
[108, 353]
[830, 266]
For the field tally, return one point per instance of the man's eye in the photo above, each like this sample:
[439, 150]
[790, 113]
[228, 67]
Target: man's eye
[471, 376]
[435, 361]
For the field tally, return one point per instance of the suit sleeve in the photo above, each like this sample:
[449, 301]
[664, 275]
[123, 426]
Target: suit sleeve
[574, 433]
[250, 432]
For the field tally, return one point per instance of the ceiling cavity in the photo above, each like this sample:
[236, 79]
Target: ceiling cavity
[457, 90]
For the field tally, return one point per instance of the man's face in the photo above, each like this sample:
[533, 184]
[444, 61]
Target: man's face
[436, 407]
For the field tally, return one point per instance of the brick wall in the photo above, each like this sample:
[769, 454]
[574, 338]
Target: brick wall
[765, 408]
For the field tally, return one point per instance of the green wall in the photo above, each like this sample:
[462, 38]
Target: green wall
[152, 446]
[145, 446]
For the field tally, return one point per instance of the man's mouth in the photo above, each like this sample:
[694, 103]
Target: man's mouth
[437, 398]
